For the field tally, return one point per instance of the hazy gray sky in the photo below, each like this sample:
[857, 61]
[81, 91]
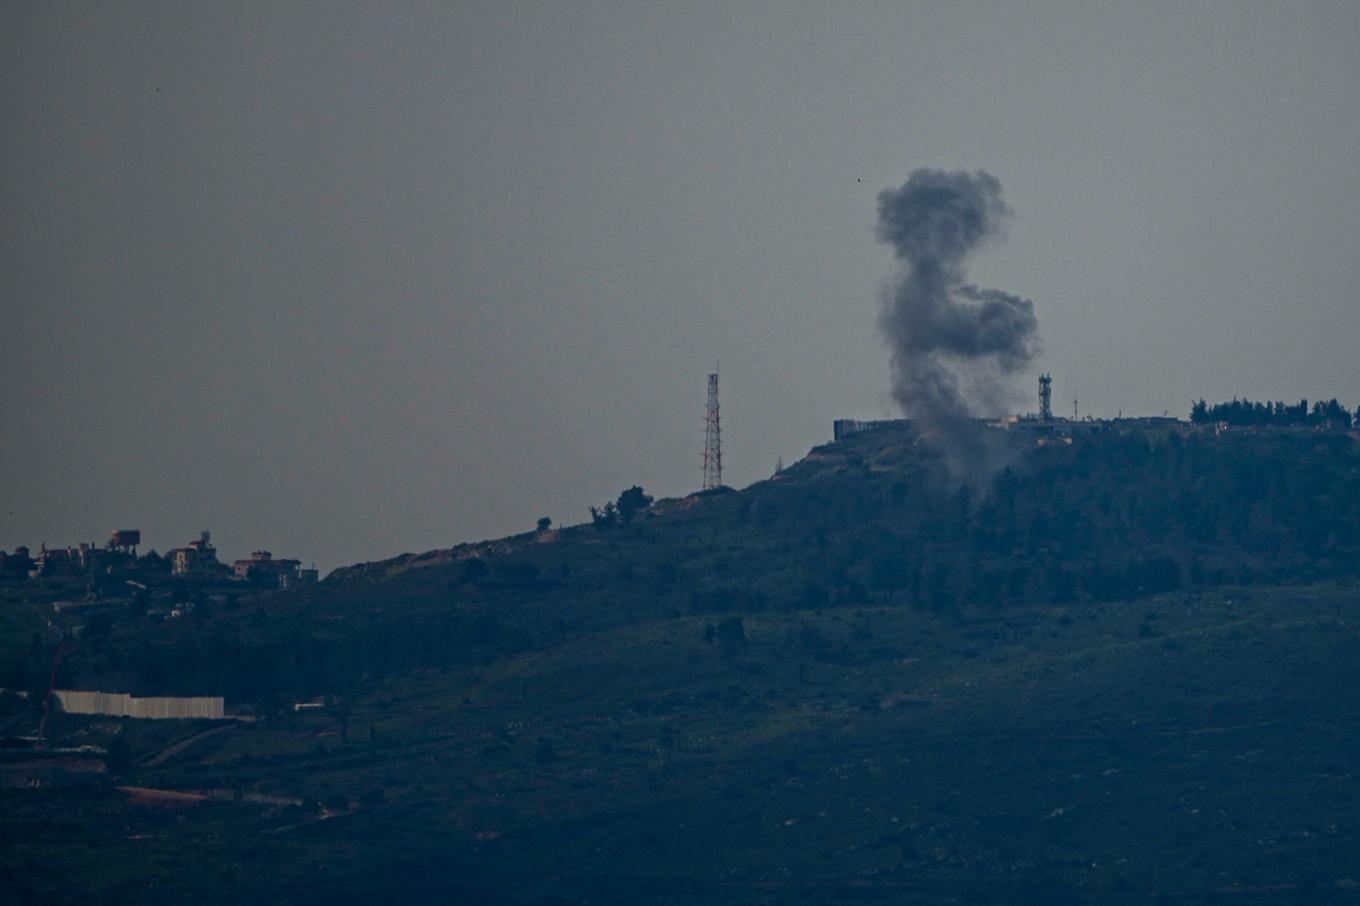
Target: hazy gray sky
[347, 280]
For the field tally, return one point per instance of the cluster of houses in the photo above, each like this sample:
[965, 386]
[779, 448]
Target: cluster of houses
[198, 561]
[195, 563]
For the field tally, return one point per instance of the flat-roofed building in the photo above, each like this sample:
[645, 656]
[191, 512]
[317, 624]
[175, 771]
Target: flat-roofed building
[262, 567]
[198, 560]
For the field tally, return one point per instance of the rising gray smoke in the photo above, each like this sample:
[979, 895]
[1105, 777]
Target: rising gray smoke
[955, 347]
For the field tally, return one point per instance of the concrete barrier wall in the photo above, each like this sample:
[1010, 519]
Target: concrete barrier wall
[120, 704]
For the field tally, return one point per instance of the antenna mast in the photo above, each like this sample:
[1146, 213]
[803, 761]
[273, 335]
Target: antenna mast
[712, 438]
[1046, 397]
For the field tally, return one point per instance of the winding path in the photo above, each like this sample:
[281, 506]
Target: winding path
[175, 748]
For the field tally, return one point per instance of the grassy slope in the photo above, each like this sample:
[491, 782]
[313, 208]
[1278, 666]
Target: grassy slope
[1093, 750]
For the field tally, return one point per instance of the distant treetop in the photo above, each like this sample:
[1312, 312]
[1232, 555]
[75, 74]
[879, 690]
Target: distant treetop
[1246, 412]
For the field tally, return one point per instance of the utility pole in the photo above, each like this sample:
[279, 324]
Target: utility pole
[712, 438]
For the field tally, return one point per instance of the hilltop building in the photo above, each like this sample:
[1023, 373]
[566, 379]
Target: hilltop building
[198, 561]
[125, 541]
[54, 562]
[262, 564]
[1038, 428]
[106, 568]
[842, 428]
[263, 568]
[68, 561]
[1045, 427]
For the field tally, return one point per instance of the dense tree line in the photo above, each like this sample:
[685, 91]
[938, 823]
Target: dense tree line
[1113, 516]
[1245, 412]
[620, 512]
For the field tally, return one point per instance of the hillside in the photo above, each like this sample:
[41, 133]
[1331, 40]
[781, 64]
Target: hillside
[1126, 670]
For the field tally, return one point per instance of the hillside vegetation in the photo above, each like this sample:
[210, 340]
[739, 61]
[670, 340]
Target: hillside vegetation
[1127, 670]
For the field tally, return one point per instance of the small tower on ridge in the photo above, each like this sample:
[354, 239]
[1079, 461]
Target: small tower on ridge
[1046, 397]
[712, 438]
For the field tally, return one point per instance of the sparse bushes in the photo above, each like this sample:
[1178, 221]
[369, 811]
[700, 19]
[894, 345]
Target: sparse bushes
[621, 512]
[606, 517]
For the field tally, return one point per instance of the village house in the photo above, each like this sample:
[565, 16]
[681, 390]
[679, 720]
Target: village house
[67, 561]
[197, 561]
[262, 566]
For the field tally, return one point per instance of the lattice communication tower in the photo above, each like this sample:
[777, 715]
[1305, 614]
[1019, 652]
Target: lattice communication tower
[712, 438]
[1045, 397]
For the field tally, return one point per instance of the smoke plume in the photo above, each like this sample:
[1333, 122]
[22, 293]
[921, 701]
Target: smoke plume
[955, 347]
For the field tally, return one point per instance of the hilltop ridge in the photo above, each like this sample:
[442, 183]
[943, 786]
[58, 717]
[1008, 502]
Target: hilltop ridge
[1124, 671]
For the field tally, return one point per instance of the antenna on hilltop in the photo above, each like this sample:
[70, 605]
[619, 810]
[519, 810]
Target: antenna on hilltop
[1046, 397]
[712, 438]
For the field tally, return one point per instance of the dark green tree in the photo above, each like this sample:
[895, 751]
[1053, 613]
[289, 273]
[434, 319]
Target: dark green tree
[604, 517]
[631, 502]
[154, 563]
